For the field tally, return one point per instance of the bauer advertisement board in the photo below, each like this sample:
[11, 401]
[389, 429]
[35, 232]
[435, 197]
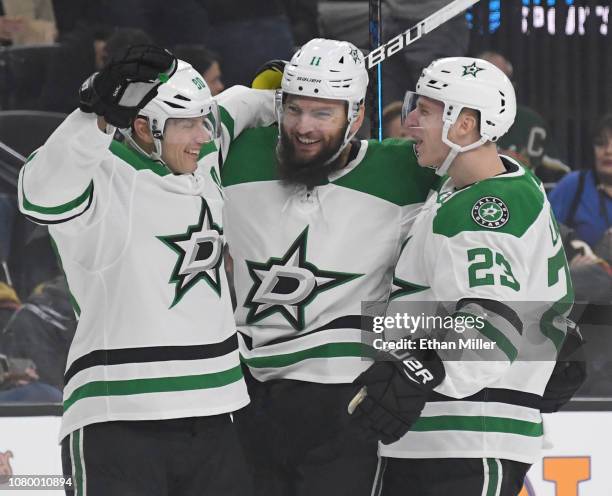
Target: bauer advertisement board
[576, 458]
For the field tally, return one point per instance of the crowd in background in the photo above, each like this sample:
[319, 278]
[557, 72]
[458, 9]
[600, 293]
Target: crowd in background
[226, 41]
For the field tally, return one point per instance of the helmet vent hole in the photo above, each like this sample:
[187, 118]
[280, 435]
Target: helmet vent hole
[316, 90]
[490, 123]
[341, 61]
[181, 97]
[173, 105]
[502, 111]
[301, 88]
[445, 71]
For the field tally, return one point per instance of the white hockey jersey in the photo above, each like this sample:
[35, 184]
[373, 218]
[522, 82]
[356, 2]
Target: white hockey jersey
[490, 250]
[304, 261]
[142, 250]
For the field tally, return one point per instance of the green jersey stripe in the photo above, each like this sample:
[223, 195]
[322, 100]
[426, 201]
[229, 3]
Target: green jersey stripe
[59, 209]
[329, 350]
[137, 160]
[493, 477]
[154, 385]
[76, 460]
[478, 424]
[498, 337]
[228, 121]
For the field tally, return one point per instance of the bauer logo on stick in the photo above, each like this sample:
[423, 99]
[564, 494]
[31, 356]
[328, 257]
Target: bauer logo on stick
[411, 35]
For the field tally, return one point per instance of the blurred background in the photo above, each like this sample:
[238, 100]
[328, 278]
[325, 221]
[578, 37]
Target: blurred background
[558, 53]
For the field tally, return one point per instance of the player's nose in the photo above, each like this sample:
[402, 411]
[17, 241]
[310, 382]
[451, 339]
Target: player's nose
[411, 119]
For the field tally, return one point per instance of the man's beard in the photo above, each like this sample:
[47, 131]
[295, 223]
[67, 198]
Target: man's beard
[312, 172]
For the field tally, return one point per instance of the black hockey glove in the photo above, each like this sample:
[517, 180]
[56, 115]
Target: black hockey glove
[394, 392]
[568, 375]
[269, 75]
[125, 86]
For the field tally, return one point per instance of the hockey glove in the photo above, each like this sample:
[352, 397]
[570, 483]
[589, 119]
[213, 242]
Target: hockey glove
[568, 375]
[269, 75]
[123, 87]
[394, 393]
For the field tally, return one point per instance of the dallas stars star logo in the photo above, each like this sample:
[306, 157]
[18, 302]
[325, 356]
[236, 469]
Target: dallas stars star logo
[354, 53]
[403, 288]
[471, 70]
[490, 212]
[200, 251]
[287, 285]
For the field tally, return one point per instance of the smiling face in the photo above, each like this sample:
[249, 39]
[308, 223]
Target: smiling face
[181, 144]
[314, 127]
[312, 131]
[602, 147]
[424, 125]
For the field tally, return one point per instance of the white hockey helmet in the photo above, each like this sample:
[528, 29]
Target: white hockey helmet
[184, 95]
[327, 69]
[466, 82]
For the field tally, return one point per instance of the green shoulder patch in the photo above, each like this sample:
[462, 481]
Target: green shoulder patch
[502, 204]
[390, 171]
[251, 157]
[137, 160]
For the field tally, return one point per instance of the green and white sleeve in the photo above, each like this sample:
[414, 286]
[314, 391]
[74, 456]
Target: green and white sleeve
[57, 182]
[243, 108]
[481, 278]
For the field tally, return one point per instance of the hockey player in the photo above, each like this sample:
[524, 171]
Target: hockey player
[314, 221]
[485, 246]
[153, 371]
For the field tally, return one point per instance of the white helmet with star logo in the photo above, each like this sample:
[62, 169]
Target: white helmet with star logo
[466, 82]
[184, 95]
[329, 69]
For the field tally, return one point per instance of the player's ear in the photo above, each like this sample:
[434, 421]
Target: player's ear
[465, 127]
[142, 131]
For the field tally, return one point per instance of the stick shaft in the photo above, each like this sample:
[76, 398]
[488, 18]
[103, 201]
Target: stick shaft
[402, 40]
[375, 101]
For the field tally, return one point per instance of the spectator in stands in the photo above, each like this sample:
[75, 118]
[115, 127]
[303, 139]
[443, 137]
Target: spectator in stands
[247, 34]
[9, 303]
[19, 383]
[205, 62]
[42, 330]
[583, 202]
[529, 139]
[87, 48]
[583, 199]
[19, 379]
[27, 22]
[304, 18]
[392, 121]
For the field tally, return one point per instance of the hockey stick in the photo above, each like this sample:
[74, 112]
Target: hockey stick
[411, 35]
[375, 28]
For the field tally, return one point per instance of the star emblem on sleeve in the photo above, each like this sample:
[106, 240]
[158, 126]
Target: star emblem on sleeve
[471, 70]
[200, 252]
[288, 284]
[491, 212]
